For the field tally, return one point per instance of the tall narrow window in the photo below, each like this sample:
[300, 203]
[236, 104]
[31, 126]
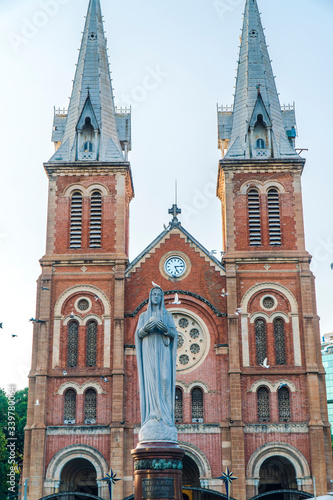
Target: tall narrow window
[260, 327]
[179, 405]
[90, 400]
[284, 405]
[96, 220]
[197, 405]
[280, 344]
[261, 144]
[91, 343]
[70, 407]
[274, 217]
[73, 337]
[254, 217]
[263, 404]
[76, 220]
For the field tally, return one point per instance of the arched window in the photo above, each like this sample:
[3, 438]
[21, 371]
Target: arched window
[91, 343]
[179, 405]
[263, 404]
[260, 329]
[87, 147]
[284, 405]
[254, 217]
[197, 405]
[274, 217]
[73, 336]
[76, 220]
[70, 407]
[90, 403]
[280, 344]
[261, 144]
[96, 220]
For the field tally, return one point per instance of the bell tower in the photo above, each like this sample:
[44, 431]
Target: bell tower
[273, 325]
[76, 383]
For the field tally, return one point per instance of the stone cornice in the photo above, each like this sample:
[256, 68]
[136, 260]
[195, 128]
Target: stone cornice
[273, 255]
[263, 165]
[281, 428]
[84, 260]
[92, 169]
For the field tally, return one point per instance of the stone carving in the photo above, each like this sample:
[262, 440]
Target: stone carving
[156, 347]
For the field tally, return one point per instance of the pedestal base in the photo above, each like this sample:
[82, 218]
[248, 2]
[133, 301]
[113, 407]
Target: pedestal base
[158, 471]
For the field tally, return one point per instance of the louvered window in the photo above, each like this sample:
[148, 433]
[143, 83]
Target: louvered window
[76, 220]
[263, 404]
[73, 336]
[254, 217]
[261, 144]
[96, 220]
[197, 405]
[70, 407]
[280, 344]
[91, 343]
[260, 328]
[274, 217]
[90, 400]
[284, 405]
[179, 405]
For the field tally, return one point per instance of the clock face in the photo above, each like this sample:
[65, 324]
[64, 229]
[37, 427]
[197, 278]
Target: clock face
[175, 266]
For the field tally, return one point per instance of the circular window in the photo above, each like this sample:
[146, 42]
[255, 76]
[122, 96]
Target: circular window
[268, 302]
[193, 340]
[83, 304]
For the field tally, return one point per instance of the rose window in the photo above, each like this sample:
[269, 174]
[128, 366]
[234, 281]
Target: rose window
[192, 342]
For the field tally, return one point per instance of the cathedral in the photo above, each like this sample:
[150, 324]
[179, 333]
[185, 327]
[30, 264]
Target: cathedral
[250, 385]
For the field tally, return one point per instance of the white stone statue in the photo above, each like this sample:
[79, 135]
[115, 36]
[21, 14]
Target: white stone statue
[156, 349]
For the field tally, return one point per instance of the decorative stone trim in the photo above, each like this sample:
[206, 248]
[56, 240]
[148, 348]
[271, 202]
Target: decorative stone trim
[263, 187]
[78, 430]
[82, 288]
[269, 318]
[92, 317]
[158, 464]
[80, 389]
[288, 428]
[273, 386]
[198, 457]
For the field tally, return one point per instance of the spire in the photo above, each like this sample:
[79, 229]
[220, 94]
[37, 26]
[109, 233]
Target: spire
[90, 127]
[258, 124]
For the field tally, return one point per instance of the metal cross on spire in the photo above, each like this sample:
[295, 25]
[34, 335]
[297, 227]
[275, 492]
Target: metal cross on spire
[174, 210]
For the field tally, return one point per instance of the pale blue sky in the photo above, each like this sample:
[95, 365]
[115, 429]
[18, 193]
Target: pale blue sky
[191, 47]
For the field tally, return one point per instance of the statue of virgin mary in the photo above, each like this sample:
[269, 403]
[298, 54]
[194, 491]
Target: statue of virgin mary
[156, 349]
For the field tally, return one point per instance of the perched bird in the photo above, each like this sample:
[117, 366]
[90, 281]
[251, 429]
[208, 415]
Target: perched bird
[64, 373]
[154, 284]
[165, 227]
[72, 315]
[224, 293]
[176, 300]
[44, 288]
[13, 336]
[37, 403]
[265, 365]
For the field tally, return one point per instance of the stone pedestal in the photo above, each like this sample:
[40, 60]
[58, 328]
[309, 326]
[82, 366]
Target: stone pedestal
[158, 471]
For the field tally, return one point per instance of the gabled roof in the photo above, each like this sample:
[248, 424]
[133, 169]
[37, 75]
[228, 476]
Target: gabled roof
[255, 75]
[174, 228]
[93, 80]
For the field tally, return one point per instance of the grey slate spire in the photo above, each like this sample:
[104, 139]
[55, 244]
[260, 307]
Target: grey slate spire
[258, 124]
[90, 129]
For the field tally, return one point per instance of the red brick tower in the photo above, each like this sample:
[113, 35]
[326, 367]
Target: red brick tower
[275, 366]
[75, 379]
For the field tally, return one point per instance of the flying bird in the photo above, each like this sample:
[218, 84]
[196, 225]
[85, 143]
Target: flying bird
[265, 365]
[96, 298]
[1, 325]
[224, 293]
[154, 284]
[238, 311]
[282, 385]
[213, 252]
[72, 315]
[32, 319]
[13, 336]
[176, 300]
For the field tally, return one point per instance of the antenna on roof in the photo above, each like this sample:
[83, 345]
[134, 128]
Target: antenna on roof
[176, 193]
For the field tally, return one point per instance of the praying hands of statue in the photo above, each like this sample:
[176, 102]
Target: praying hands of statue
[152, 324]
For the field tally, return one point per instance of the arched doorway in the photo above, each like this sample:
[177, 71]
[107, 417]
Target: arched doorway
[191, 479]
[79, 475]
[277, 473]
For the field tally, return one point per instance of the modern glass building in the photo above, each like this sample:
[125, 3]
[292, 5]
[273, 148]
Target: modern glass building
[327, 353]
